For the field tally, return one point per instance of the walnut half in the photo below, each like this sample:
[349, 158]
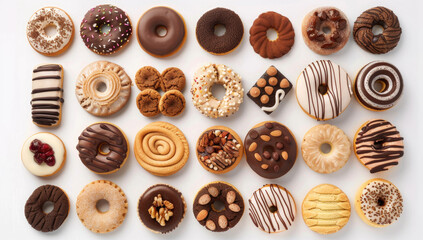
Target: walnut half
[161, 210]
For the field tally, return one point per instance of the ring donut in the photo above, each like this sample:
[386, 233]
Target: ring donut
[92, 141]
[92, 218]
[315, 158]
[385, 74]
[96, 20]
[272, 208]
[34, 213]
[38, 37]
[323, 90]
[158, 18]
[229, 41]
[380, 43]
[98, 101]
[202, 97]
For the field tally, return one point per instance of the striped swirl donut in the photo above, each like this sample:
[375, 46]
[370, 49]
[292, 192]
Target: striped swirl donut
[380, 43]
[161, 148]
[272, 48]
[378, 72]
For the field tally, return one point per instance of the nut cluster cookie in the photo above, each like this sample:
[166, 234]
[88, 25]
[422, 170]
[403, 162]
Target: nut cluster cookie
[150, 102]
[270, 90]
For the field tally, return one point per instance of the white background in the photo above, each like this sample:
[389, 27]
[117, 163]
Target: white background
[18, 60]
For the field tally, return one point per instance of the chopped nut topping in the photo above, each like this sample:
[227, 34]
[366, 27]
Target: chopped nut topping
[161, 210]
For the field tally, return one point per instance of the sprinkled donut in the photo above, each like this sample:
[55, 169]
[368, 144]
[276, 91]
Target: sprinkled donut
[378, 145]
[100, 18]
[378, 202]
[324, 90]
[202, 97]
[39, 39]
[385, 74]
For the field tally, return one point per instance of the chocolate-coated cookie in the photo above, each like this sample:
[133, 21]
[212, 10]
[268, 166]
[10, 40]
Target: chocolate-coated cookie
[34, 213]
[161, 208]
[148, 102]
[270, 90]
[172, 78]
[147, 77]
[270, 149]
[172, 103]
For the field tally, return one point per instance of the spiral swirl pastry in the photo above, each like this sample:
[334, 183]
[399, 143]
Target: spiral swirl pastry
[380, 43]
[161, 148]
[103, 88]
[388, 76]
[272, 48]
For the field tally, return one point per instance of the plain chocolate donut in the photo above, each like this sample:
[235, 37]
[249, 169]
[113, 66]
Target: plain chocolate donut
[151, 41]
[219, 44]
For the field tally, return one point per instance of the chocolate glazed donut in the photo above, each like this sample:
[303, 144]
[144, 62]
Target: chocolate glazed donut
[380, 43]
[219, 44]
[91, 141]
[151, 41]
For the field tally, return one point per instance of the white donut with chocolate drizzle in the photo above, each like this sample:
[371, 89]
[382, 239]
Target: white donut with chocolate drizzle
[323, 90]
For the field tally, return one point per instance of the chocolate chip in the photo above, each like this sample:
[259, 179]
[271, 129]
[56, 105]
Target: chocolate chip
[287, 140]
[268, 125]
[209, 149]
[341, 24]
[279, 145]
[276, 168]
[275, 156]
[266, 154]
[254, 134]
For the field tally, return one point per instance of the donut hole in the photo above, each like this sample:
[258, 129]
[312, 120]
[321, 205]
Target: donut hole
[102, 205]
[273, 209]
[219, 30]
[323, 89]
[50, 30]
[377, 29]
[101, 87]
[271, 34]
[218, 91]
[378, 144]
[103, 148]
[326, 30]
[380, 85]
[105, 29]
[325, 148]
[161, 31]
[381, 202]
[218, 206]
[48, 207]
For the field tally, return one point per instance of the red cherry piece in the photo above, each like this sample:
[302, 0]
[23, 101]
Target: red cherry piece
[50, 161]
[35, 145]
[45, 148]
[37, 158]
[49, 153]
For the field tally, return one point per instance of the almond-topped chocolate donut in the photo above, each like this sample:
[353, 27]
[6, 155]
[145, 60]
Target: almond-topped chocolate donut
[326, 30]
[106, 17]
[270, 149]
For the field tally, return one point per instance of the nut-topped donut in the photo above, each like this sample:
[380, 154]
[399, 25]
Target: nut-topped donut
[380, 43]
[38, 37]
[202, 97]
[105, 17]
[326, 30]
[218, 206]
[270, 149]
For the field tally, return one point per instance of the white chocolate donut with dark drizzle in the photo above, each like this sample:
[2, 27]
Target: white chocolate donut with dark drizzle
[391, 82]
[272, 208]
[323, 90]
[378, 145]
[47, 92]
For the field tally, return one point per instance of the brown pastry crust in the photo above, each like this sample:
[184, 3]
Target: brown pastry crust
[172, 78]
[207, 140]
[272, 48]
[147, 77]
[172, 103]
[148, 102]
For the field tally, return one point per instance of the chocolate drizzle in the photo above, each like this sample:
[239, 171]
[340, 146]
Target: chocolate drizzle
[379, 145]
[270, 197]
[92, 139]
[381, 43]
[47, 83]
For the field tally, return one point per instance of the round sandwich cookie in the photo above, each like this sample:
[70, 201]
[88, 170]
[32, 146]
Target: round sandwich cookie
[270, 149]
[326, 209]
[219, 149]
[103, 147]
[161, 208]
[37, 205]
[43, 154]
[218, 206]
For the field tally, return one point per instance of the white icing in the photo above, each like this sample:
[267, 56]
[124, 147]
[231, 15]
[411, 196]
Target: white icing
[279, 95]
[43, 169]
[338, 96]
